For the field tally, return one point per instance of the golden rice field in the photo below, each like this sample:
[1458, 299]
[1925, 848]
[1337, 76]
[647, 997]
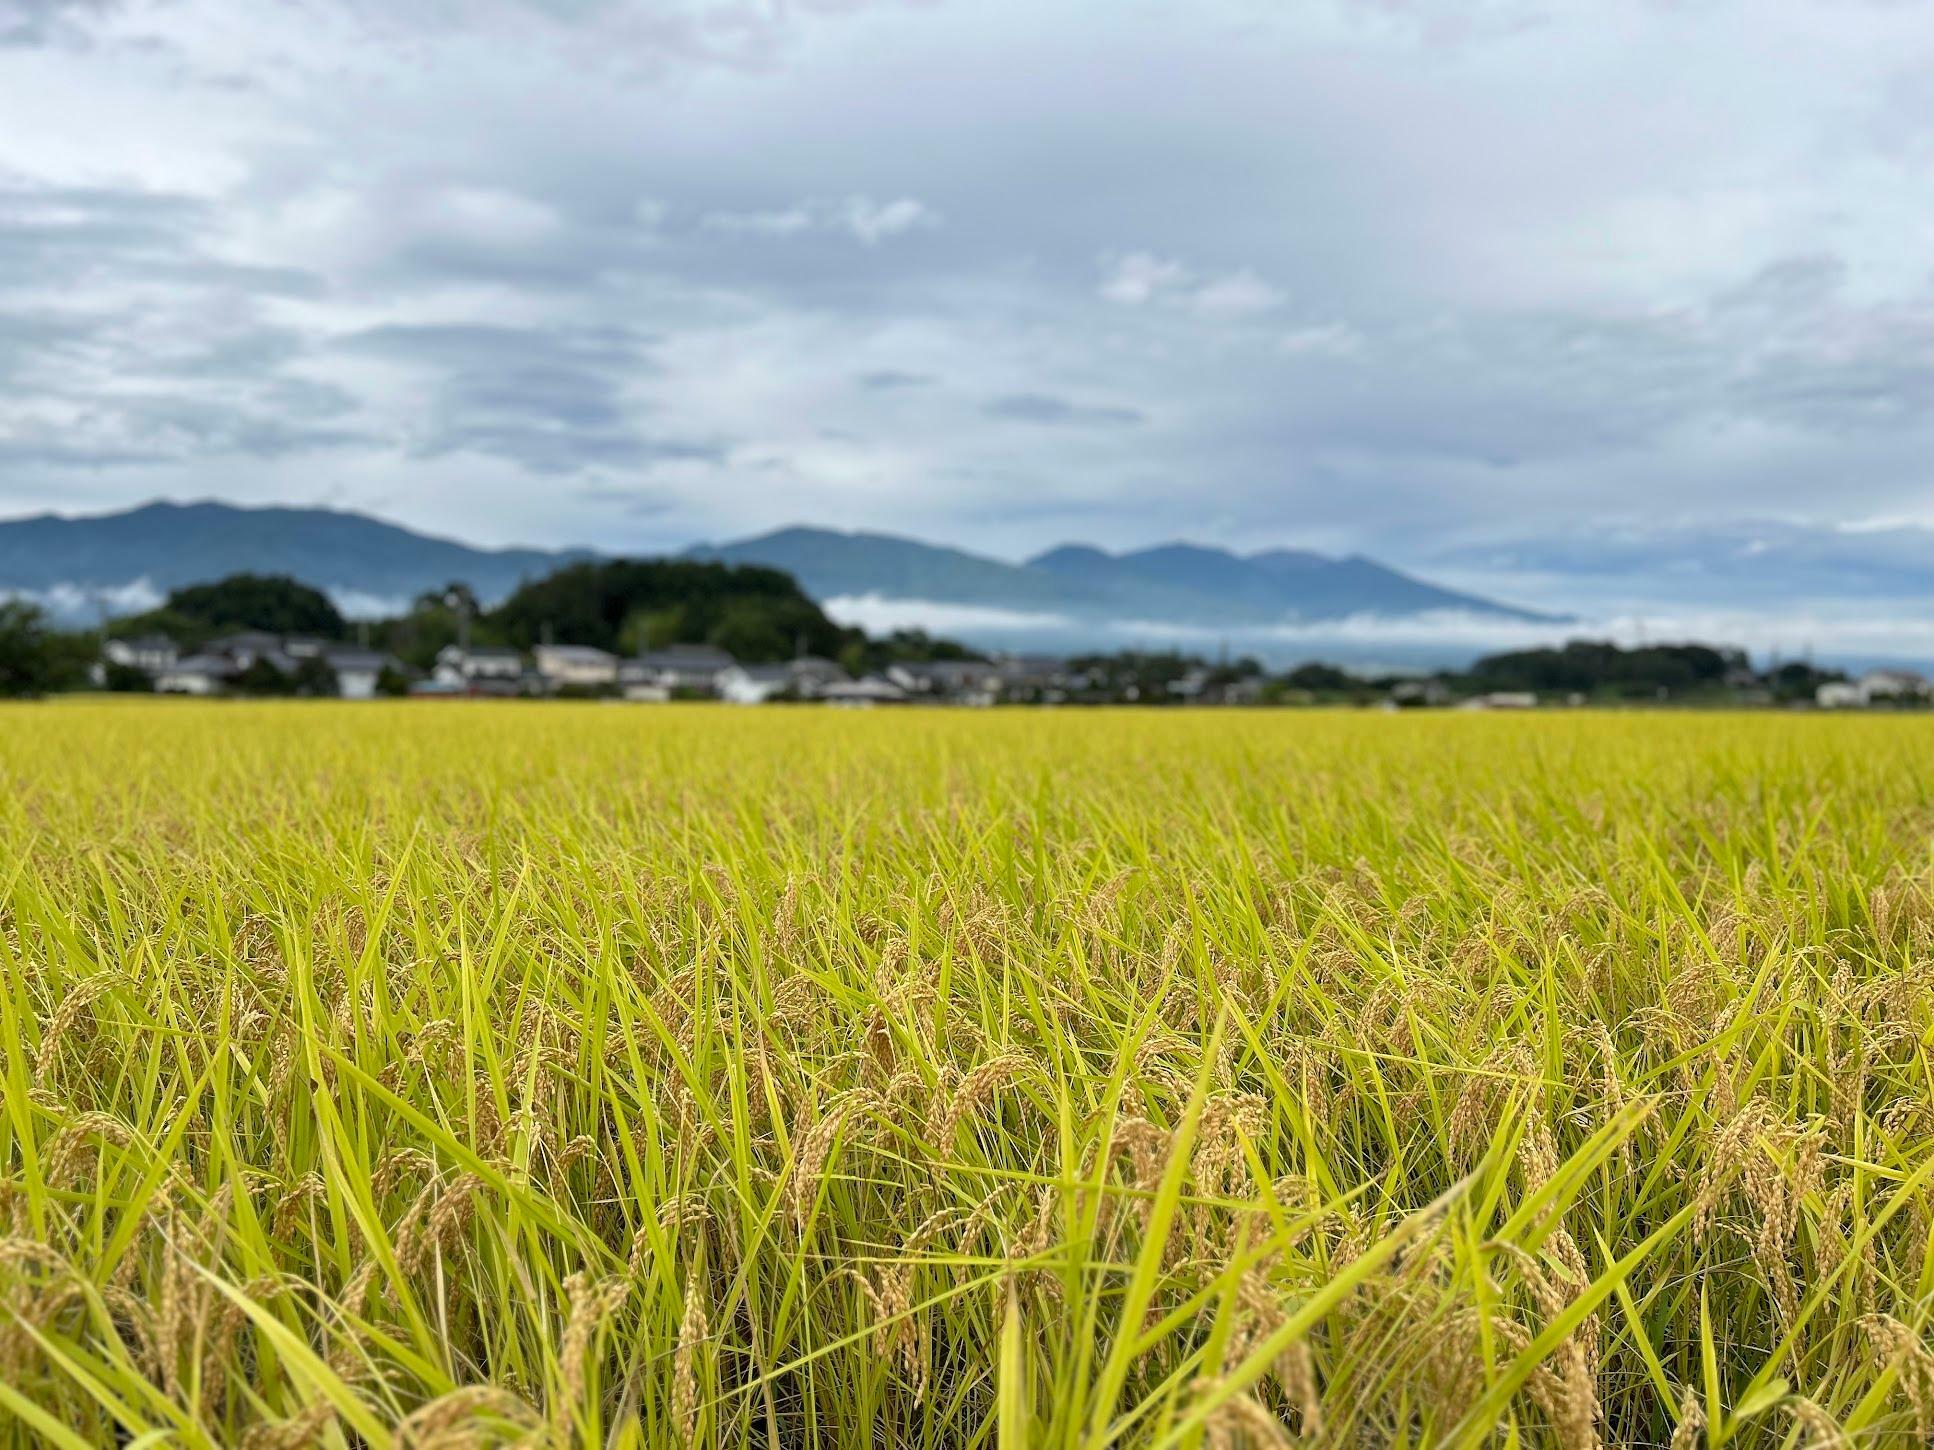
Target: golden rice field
[438, 1075]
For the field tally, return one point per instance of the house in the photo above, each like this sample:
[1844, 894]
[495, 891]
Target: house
[250, 645]
[1891, 686]
[1033, 669]
[357, 671]
[1876, 687]
[966, 682]
[199, 674]
[1191, 685]
[868, 690]
[676, 669]
[1037, 677]
[812, 676]
[754, 684]
[575, 666]
[472, 665]
[149, 653]
[1419, 694]
[641, 686]
[1501, 700]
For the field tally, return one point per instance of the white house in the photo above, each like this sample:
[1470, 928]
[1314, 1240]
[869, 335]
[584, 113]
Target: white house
[149, 653]
[754, 684]
[1501, 700]
[676, 667]
[813, 676]
[357, 671]
[202, 674]
[1889, 685]
[868, 690]
[566, 666]
[244, 649]
[1839, 695]
[967, 682]
[457, 665]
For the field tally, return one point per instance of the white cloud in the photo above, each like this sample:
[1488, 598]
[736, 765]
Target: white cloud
[878, 614]
[867, 221]
[1135, 279]
[1431, 638]
[788, 222]
[74, 604]
[360, 604]
[1138, 277]
[492, 216]
[1239, 294]
[874, 221]
[1325, 339]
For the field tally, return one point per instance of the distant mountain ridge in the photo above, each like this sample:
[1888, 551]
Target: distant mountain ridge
[1179, 583]
[367, 561]
[167, 545]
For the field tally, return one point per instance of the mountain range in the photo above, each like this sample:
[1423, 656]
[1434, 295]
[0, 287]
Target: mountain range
[139, 554]
[129, 559]
[1174, 584]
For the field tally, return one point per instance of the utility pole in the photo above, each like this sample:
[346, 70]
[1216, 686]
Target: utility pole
[459, 600]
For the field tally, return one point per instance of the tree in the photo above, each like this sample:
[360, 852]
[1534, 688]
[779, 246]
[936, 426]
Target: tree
[758, 614]
[649, 629]
[314, 677]
[274, 603]
[261, 678]
[1601, 667]
[1800, 680]
[126, 679]
[456, 597]
[27, 657]
[1320, 679]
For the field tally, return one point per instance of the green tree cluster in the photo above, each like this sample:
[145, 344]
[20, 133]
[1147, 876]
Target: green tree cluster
[36, 659]
[197, 613]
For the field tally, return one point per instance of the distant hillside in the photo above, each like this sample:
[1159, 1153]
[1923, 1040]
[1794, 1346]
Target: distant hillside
[368, 566]
[168, 545]
[1173, 583]
[829, 565]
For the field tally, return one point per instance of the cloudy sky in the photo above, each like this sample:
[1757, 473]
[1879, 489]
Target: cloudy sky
[1407, 276]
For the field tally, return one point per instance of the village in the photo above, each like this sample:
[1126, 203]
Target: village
[256, 662]
[259, 662]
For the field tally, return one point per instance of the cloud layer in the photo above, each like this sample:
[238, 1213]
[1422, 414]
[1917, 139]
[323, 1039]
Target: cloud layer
[1410, 277]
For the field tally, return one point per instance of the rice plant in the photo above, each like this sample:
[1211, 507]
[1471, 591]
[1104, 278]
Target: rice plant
[574, 1075]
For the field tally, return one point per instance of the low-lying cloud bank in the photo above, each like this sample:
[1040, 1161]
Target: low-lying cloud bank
[77, 605]
[1835, 634]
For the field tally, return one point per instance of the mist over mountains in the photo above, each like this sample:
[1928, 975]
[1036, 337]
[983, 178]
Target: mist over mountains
[1172, 584]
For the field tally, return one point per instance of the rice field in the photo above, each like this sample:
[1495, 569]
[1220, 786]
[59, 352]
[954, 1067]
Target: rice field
[439, 1075]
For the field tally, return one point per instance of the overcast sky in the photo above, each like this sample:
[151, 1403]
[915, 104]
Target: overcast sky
[1396, 275]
